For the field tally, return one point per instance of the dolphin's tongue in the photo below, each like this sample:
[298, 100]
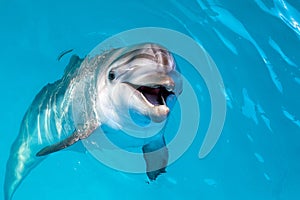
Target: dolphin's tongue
[153, 95]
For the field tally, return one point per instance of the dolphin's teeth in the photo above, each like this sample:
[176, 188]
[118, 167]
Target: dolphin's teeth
[163, 100]
[169, 89]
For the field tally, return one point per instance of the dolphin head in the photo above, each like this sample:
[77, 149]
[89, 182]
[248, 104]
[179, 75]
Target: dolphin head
[139, 78]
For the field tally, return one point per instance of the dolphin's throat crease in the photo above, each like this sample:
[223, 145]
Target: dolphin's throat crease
[94, 92]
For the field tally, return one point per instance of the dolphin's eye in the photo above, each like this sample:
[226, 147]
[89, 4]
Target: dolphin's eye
[111, 75]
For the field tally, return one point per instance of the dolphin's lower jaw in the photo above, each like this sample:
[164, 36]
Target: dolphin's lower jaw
[159, 113]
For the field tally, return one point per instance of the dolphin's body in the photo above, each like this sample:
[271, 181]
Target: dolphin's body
[94, 92]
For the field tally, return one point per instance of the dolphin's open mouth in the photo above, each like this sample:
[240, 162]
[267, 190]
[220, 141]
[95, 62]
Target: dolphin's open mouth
[156, 95]
[151, 99]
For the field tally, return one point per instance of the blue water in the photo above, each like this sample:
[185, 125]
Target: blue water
[255, 45]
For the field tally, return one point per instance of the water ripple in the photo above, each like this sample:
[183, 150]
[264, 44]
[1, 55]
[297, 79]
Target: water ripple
[233, 24]
[277, 48]
[284, 11]
[291, 117]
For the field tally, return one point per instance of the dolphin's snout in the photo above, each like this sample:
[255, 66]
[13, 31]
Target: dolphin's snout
[164, 59]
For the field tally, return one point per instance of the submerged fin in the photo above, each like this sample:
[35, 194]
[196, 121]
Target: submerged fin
[72, 139]
[60, 145]
[156, 157]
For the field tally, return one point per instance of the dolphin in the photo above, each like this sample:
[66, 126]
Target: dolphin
[93, 92]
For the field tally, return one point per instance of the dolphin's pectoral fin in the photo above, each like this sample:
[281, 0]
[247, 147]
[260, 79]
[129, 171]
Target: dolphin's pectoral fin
[77, 135]
[156, 157]
[60, 145]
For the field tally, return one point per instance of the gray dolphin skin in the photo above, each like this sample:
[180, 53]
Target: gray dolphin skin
[94, 92]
